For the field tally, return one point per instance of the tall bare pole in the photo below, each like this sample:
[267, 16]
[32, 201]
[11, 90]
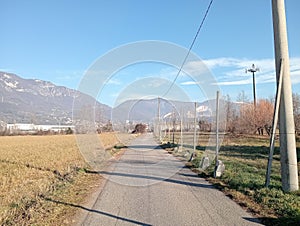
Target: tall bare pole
[195, 133]
[174, 120]
[195, 128]
[217, 134]
[169, 131]
[217, 126]
[253, 69]
[158, 118]
[181, 129]
[288, 155]
[274, 127]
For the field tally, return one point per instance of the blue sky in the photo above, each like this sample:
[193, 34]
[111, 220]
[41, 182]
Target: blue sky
[59, 40]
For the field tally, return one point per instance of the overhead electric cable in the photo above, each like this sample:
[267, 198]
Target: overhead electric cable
[191, 46]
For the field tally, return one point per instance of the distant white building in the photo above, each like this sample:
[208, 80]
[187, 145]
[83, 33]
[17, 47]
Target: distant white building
[24, 127]
[20, 127]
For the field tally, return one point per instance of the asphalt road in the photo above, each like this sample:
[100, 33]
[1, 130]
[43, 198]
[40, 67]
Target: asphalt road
[148, 186]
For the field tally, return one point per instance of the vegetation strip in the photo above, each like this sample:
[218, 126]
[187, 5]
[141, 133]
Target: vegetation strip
[245, 159]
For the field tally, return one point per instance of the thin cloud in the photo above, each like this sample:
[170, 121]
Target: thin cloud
[234, 70]
[67, 75]
[195, 68]
[295, 76]
[113, 81]
[187, 83]
[236, 83]
[5, 70]
[221, 62]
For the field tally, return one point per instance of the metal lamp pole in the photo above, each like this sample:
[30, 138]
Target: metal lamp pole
[253, 69]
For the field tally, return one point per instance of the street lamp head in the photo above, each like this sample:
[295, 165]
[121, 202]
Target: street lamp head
[252, 69]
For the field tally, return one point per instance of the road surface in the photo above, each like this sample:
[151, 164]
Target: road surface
[148, 186]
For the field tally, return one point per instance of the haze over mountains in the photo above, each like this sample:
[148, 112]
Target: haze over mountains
[41, 102]
[36, 101]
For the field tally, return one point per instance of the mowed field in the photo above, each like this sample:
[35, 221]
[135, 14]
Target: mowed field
[40, 173]
[44, 179]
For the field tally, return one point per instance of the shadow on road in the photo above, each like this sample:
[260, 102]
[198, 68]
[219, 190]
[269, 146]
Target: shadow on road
[97, 212]
[254, 220]
[169, 180]
[151, 147]
[189, 175]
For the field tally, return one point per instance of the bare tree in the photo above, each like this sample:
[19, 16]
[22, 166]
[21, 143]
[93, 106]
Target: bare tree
[296, 109]
[231, 115]
[246, 120]
[256, 120]
[242, 97]
[264, 116]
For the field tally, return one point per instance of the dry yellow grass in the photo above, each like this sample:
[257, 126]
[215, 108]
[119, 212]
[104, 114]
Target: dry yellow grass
[33, 168]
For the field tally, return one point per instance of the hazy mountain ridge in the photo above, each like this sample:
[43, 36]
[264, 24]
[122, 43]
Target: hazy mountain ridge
[147, 110]
[41, 102]
[37, 101]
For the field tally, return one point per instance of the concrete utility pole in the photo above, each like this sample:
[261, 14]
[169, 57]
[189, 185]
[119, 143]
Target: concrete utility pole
[158, 118]
[181, 130]
[217, 126]
[174, 120]
[195, 131]
[253, 69]
[288, 155]
[274, 126]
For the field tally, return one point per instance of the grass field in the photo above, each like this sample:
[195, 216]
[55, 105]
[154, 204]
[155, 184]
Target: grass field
[245, 159]
[43, 179]
[37, 173]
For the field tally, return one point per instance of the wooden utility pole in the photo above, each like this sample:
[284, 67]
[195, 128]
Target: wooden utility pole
[288, 155]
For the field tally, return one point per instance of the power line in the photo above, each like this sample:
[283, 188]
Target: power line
[191, 46]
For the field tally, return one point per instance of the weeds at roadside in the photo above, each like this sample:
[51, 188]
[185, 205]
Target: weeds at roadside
[245, 174]
[245, 160]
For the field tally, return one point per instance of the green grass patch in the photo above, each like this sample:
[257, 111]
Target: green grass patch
[245, 160]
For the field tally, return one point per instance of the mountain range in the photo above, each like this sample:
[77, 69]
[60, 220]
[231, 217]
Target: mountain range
[39, 102]
[42, 102]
